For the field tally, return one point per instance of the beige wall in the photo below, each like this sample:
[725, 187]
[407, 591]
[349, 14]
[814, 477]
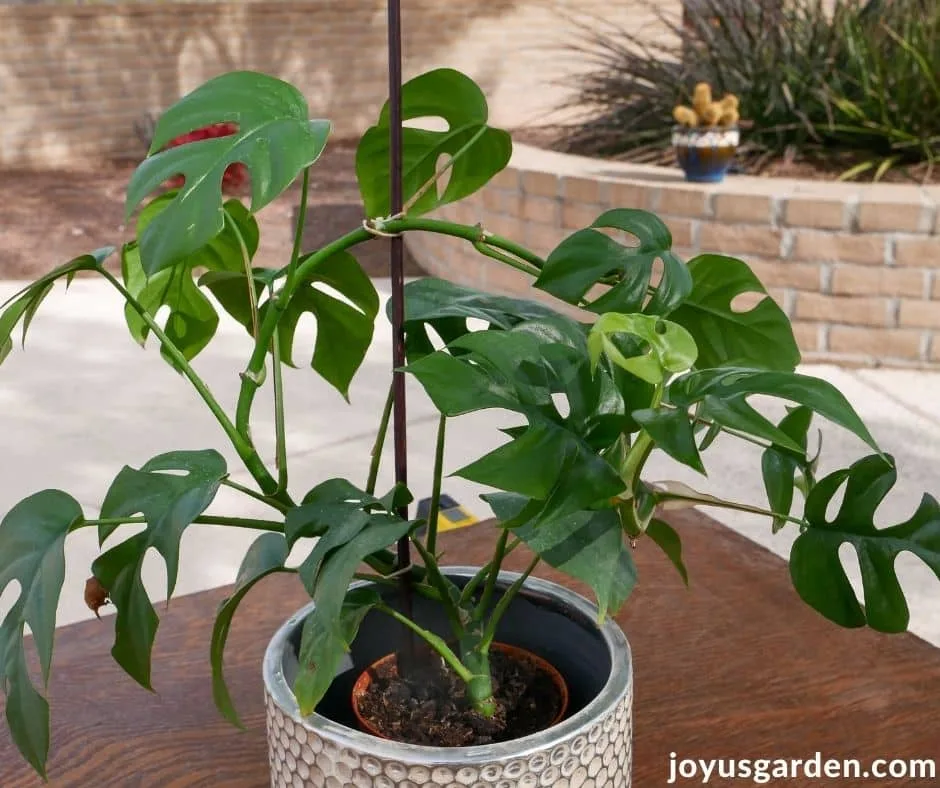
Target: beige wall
[75, 78]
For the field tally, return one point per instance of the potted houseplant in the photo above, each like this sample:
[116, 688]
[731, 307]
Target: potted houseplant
[706, 135]
[664, 366]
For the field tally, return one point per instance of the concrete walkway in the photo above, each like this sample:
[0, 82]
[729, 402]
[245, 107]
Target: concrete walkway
[84, 400]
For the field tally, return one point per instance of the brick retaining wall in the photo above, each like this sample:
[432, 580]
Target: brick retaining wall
[855, 266]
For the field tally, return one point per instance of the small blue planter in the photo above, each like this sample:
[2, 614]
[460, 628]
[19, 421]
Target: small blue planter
[705, 154]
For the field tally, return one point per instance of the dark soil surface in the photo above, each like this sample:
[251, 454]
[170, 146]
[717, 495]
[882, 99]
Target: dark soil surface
[52, 216]
[434, 711]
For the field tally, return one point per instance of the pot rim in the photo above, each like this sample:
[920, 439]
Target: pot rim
[619, 681]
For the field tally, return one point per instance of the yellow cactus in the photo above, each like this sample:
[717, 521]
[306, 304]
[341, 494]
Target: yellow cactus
[711, 114]
[729, 102]
[685, 116]
[702, 98]
[707, 112]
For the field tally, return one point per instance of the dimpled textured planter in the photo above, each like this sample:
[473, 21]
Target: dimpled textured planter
[705, 155]
[592, 746]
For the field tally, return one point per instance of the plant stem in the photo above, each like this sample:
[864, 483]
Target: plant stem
[253, 374]
[301, 221]
[380, 441]
[707, 500]
[280, 431]
[742, 435]
[232, 522]
[484, 573]
[246, 262]
[436, 643]
[449, 593]
[498, 555]
[641, 449]
[246, 451]
[482, 248]
[435, 505]
[273, 503]
[471, 233]
[503, 605]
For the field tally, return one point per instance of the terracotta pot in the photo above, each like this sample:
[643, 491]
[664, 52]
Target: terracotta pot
[591, 746]
[519, 654]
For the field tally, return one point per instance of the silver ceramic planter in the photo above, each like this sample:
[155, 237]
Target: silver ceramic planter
[592, 747]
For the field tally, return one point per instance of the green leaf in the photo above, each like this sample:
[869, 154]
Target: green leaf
[671, 430]
[266, 556]
[670, 348]
[314, 517]
[457, 100]
[330, 577]
[725, 392]
[338, 512]
[192, 320]
[780, 466]
[275, 139]
[585, 258]
[325, 642]
[344, 330]
[32, 553]
[520, 370]
[585, 545]
[446, 307]
[22, 306]
[759, 337]
[169, 502]
[669, 542]
[815, 566]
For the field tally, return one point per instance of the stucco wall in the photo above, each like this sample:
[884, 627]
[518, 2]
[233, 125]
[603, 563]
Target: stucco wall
[75, 78]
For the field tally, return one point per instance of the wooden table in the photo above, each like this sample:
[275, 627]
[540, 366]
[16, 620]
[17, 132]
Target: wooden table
[735, 667]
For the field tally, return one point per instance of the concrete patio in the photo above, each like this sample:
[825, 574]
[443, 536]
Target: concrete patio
[84, 400]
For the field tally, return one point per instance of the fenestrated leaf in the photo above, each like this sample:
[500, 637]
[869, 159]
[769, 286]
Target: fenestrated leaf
[520, 370]
[325, 642]
[815, 566]
[725, 391]
[757, 337]
[230, 289]
[32, 553]
[780, 466]
[457, 100]
[588, 256]
[446, 307]
[669, 347]
[275, 139]
[192, 320]
[671, 430]
[586, 545]
[266, 556]
[22, 305]
[669, 542]
[344, 330]
[169, 502]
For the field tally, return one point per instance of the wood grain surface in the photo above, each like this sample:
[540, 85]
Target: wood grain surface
[734, 667]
